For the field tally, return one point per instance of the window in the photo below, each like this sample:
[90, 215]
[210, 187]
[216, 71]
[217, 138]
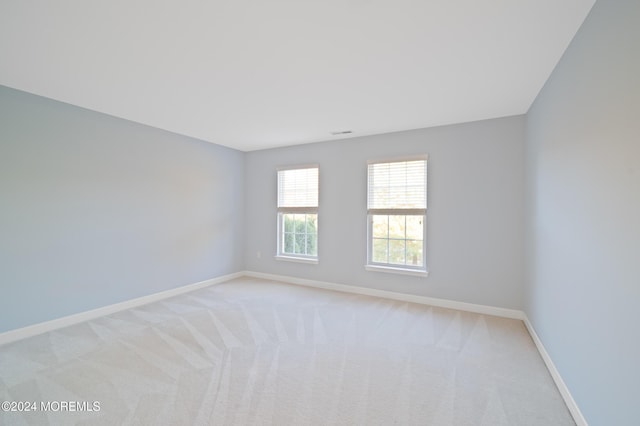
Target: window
[298, 214]
[397, 213]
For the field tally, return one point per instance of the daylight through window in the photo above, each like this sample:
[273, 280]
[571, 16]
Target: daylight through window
[298, 213]
[397, 212]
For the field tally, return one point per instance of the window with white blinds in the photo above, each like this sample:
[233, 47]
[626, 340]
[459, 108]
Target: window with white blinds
[396, 210]
[298, 188]
[298, 213]
[398, 185]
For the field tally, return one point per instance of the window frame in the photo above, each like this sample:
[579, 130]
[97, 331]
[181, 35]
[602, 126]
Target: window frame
[282, 211]
[371, 265]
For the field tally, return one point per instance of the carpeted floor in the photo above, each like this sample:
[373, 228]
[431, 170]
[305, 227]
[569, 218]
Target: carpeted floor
[250, 352]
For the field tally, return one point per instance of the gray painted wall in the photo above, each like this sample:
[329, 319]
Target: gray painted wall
[583, 223]
[96, 210]
[475, 237]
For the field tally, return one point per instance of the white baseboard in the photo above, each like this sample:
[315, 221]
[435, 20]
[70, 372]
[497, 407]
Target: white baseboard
[32, 330]
[43, 327]
[555, 374]
[442, 303]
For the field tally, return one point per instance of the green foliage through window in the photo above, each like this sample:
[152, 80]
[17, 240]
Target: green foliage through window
[397, 239]
[300, 234]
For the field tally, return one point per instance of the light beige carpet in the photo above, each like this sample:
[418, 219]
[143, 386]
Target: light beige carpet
[250, 352]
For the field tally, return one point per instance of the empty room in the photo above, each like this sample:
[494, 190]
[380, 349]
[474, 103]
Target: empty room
[355, 212]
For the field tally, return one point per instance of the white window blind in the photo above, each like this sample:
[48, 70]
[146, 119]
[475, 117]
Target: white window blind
[298, 214]
[397, 212]
[298, 188]
[398, 185]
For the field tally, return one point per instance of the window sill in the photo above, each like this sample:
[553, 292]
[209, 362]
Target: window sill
[298, 259]
[401, 271]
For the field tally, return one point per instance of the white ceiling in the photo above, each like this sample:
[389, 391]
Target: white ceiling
[253, 74]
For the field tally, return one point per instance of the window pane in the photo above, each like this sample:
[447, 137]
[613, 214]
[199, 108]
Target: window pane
[380, 226]
[311, 223]
[298, 225]
[298, 231]
[288, 242]
[397, 227]
[396, 252]
[288, 223]
[414, 253]
[312, 246]
[380, 253]
[397, 193]
[415, 230]
[300, 243]
[300, 234]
